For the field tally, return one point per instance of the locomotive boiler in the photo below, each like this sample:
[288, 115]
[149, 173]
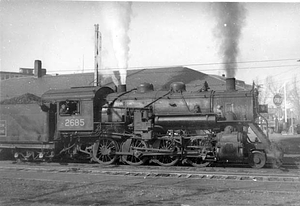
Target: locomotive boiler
[202, 127]
[146, 125]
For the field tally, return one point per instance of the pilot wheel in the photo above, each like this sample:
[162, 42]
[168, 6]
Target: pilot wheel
[257, 159]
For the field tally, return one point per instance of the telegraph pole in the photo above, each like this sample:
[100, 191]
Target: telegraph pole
[285, 109]
[97, 54]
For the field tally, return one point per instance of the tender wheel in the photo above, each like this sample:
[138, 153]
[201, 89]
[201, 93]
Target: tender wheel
[257, 159]
[134, 159]
[105, 151]
[25, 155]
[167, 160]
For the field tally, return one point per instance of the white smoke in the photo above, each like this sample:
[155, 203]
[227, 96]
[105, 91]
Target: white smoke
[231, 18]
[117, 18]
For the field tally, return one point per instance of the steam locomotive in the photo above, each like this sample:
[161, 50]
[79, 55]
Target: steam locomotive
[143, 125]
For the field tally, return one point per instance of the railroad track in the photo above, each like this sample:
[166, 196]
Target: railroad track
[233, 174]
[241, 177]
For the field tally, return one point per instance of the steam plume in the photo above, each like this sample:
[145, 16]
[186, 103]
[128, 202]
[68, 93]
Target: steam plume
[230, 21]
[117, 20]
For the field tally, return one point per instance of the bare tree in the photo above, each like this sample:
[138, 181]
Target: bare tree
[269, 88]
[271, 85]
[264, 89]
[294, 97]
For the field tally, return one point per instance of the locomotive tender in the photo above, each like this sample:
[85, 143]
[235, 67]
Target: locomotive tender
[141, 124]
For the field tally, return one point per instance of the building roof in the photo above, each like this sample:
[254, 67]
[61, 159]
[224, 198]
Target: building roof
[161, 78]
[18, 86]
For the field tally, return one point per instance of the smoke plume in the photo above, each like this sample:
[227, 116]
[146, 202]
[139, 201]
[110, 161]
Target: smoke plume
[230, 21]
[117, 17]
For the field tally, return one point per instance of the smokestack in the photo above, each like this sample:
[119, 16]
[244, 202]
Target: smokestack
[230, 84]
[121, 88]
[38, 68]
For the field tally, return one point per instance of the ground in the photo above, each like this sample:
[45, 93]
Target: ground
[19, 188]
[36, 188]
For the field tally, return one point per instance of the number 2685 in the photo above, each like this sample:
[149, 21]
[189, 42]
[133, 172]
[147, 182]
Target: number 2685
[74, 122]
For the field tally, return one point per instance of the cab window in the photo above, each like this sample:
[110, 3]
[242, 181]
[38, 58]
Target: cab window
[69, 107]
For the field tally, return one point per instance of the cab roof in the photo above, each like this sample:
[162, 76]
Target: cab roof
[72, 93]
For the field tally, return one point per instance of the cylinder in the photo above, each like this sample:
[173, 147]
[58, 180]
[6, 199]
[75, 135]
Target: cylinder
[121, 88]
[230, 84]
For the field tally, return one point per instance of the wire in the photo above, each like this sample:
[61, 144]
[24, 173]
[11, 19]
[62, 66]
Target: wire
[197, 64]
[108, 71]
[281, 81]
[283, 72]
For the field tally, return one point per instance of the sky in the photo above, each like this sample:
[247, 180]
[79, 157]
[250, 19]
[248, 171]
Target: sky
[264, 36]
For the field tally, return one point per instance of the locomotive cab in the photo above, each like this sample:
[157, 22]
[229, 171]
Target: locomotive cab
[77, 109]
[75, 115]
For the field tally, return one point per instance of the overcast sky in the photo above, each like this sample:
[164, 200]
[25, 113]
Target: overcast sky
[61, 34]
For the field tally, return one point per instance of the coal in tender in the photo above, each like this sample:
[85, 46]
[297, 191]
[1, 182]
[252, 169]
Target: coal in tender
[23, 99]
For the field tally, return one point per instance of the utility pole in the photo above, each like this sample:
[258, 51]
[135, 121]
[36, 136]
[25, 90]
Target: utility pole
[285, 109]
[292, 121]
[83, 63]
[285, 106]
[97, 54]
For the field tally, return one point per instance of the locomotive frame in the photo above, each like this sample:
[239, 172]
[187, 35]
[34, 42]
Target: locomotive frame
[163, 127]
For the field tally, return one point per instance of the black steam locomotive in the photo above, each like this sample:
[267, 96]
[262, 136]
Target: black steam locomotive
[143, 125]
